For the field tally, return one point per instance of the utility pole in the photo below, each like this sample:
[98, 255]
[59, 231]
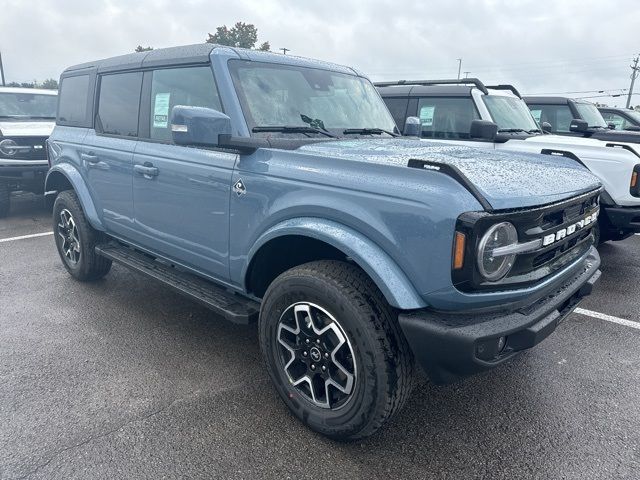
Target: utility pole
[634, 74]
[459, 67]
[466, 74]
[2, 70]
[285, 50]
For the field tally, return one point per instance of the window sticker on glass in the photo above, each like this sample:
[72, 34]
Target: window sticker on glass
[536, 115]
[426, 115]
[161, 110]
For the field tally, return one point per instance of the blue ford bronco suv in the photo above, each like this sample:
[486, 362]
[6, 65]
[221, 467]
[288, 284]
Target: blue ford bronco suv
[275, 189]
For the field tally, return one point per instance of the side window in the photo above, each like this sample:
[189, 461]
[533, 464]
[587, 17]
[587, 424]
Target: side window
[74, 97]
[398, 109]
[119, 103]
[446, 117]
[537, 114]
[559, 116]
[191, 86]
[619, 121]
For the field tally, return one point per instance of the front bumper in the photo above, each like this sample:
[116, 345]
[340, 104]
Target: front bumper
[623, 219]
[33, 171]
[451, 346]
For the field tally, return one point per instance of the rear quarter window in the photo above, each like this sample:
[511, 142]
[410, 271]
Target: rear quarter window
[73, 103]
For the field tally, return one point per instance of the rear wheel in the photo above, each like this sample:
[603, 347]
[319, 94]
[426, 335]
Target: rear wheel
[76, 239]
[334, 349]
[5, 201]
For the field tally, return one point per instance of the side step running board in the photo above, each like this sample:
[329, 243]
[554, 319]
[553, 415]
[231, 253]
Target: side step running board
[233, 307]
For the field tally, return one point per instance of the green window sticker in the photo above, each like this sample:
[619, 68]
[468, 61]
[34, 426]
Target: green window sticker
[161, 110]
[426, 115]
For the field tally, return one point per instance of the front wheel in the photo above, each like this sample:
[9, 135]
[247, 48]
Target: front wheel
[334, 349]
[76, 239]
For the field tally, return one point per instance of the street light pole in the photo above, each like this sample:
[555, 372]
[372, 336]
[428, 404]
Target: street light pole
[634, 74]
[459, 67]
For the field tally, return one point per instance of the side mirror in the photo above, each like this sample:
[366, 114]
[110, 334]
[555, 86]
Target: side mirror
[579, 126]
[412, 127]
[484, 130]
[198, 126]
[546, 127]
[612, 126]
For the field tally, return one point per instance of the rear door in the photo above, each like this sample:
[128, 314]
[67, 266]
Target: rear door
[181, 194]
[107, 153]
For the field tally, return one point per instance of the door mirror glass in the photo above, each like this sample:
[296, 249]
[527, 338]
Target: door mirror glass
[579, 126]
[412, 127]
[198, 126]
[484, 130]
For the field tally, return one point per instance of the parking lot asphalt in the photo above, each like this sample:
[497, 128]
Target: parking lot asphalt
[125, 379]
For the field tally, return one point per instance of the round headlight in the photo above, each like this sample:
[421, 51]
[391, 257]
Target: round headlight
[494, 267]
[8, 147]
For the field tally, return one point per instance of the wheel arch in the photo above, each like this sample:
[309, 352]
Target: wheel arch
[66, 177]
[302, 240]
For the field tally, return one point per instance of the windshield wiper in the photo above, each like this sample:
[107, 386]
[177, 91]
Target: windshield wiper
[292, 129]
[512, 130]
[368, 131]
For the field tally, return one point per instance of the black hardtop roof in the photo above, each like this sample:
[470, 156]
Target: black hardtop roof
[548, 100]
[618, 109]
[450, 87]
[418, 90]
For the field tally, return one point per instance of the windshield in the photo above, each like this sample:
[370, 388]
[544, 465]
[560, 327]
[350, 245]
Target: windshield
[635, 115]
[287, 95]
[590, 114]
[510, 113]
[28, 105]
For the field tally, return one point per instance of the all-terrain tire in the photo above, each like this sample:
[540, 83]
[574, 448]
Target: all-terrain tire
[5, 199]
[82, 262]
[340, 293]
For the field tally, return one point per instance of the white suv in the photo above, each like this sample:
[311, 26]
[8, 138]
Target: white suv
[466, 112]
[27, 117]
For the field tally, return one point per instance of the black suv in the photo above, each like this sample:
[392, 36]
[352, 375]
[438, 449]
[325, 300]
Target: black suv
[568, 116]
[621, 118]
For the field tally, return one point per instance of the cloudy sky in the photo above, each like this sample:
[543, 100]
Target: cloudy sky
[541, 46]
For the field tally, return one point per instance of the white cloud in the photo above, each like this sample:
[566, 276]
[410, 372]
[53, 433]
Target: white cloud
[540, 46]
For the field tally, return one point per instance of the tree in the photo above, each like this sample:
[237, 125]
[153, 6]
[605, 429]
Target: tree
[244, 35]
[140, 48]
[49, 84]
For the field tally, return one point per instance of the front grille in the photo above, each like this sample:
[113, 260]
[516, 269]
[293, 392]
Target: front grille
[37, 148]
[532, 224]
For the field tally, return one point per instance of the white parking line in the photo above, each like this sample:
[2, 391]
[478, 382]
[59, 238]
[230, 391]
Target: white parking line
[22, 237]
[608, 318]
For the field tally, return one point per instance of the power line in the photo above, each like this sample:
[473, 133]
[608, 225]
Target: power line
[601, 90]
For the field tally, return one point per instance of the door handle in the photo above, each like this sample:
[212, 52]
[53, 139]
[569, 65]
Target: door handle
[89, 157]
[147, 170]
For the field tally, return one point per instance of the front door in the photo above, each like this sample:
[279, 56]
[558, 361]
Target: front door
[181, 194]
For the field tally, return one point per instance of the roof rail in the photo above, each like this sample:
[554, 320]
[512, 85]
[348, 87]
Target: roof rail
[462, 81]
[511, 88]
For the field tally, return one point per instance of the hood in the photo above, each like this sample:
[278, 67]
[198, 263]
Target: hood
[506, 180]
[616, 136]
[562, 141]
[26, 128]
